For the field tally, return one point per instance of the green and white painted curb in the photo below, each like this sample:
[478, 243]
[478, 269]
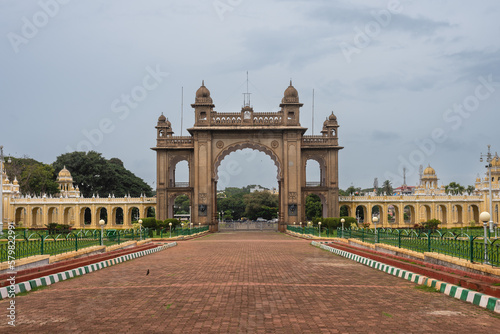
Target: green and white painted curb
[474, 297]
[54, 278]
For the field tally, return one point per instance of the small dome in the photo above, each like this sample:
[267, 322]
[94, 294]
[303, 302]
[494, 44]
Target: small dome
[429, 171]
[291, 95]
[162, 118]
[203, 91]
[332, 117]
[64, 175]
[168, 123]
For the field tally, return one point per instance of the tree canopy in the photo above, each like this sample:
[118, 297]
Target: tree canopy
[94, 174]
[35, 178]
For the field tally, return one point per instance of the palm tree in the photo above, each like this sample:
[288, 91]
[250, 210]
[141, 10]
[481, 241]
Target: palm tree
[387, 188]
[454, 188]
[470, 189]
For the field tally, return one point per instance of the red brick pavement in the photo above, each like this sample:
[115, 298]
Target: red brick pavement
[243, 282]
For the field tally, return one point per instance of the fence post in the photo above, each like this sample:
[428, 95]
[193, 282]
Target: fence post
[118, 237]
[41, 250]
[471, 246]
[363, 235]
[76, 242]
[399, 238]
[429, 240]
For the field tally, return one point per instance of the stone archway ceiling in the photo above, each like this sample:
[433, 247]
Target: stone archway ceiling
[242, 145]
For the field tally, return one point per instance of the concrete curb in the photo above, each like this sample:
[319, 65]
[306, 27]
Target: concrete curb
[474, 297]
[54, 278]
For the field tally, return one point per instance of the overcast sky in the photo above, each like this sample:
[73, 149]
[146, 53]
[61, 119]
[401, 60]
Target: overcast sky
[411, 82]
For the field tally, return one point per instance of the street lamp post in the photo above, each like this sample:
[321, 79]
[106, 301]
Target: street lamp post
[485, 217]
[140, 228]
[489, 157]
[170, 225]
[375, 221]
[319, 229]
[342, 221]
[102, 222]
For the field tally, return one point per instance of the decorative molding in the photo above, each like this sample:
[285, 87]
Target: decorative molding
[202, 198]
[275, 144]
[292, 197]
[220, 144]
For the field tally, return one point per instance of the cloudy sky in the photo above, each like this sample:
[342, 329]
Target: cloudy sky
[411, 82]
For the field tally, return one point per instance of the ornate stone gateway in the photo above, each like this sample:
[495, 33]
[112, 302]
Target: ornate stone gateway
[215, 135]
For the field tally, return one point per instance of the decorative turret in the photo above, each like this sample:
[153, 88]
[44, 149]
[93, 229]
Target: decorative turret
[330, 126]
[164, 127]
[65, 181]
[203, 105]
[290, 105]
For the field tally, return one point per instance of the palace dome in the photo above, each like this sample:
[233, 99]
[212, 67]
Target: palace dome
[203, 91]
[64, 175]
[291, 95]
[429, 171]
[332, 117]
[162, 118]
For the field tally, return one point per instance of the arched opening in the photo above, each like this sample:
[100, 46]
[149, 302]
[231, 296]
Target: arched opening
[36, 217]
[425, 213]
[68, 216]
[133, 214]
[313, 173]
[442, 214]
[393, 214]
[457, 214]
[410, 217]
[377, 212]
[20, 217]
[244, 192]
[361, 214]
[52, 215]
[473, 211]
[314, 207]
[345, 211]
[150, 211]
[118, 216]
[179, 173]
[102, 213]
[86, 216]
[181, 207]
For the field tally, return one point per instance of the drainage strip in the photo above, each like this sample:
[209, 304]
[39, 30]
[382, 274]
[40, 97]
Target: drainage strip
[474, 297]
[54, 278]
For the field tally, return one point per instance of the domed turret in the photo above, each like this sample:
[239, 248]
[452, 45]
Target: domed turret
[203, 95]
[496, 161]
[64, 176]
[429, 171]
[332, 117]
[291, 95]
[162, 118]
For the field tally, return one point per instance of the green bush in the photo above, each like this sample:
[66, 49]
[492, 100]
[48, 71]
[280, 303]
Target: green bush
[175, 223]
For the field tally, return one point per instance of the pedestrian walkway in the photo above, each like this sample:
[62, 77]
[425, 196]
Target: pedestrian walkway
[243, 282]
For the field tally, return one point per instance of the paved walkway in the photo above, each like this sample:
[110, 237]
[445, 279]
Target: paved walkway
[243, 282]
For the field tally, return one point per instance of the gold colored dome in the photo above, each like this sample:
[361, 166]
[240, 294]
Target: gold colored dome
[64, 175]
[429, 171]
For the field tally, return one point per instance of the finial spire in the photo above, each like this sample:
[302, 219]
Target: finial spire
[290, 81]
[203, 82]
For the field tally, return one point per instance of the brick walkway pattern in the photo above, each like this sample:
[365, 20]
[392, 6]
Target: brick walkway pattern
[243, 282]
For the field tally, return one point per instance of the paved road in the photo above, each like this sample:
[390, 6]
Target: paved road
[243, 282]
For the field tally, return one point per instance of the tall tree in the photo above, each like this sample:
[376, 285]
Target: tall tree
[34, 177]
[261, 204]
[470, 189]
[95, 175]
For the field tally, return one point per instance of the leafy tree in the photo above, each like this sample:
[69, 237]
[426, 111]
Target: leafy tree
[314, 208]
[181, 204]
[34, 177]
[260, 204]
[233, 202]
[95, 175]
[454, 188]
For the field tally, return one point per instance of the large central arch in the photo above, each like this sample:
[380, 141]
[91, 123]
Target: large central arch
[215, 135]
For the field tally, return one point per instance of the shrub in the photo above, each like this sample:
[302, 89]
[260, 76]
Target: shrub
[334, 223]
